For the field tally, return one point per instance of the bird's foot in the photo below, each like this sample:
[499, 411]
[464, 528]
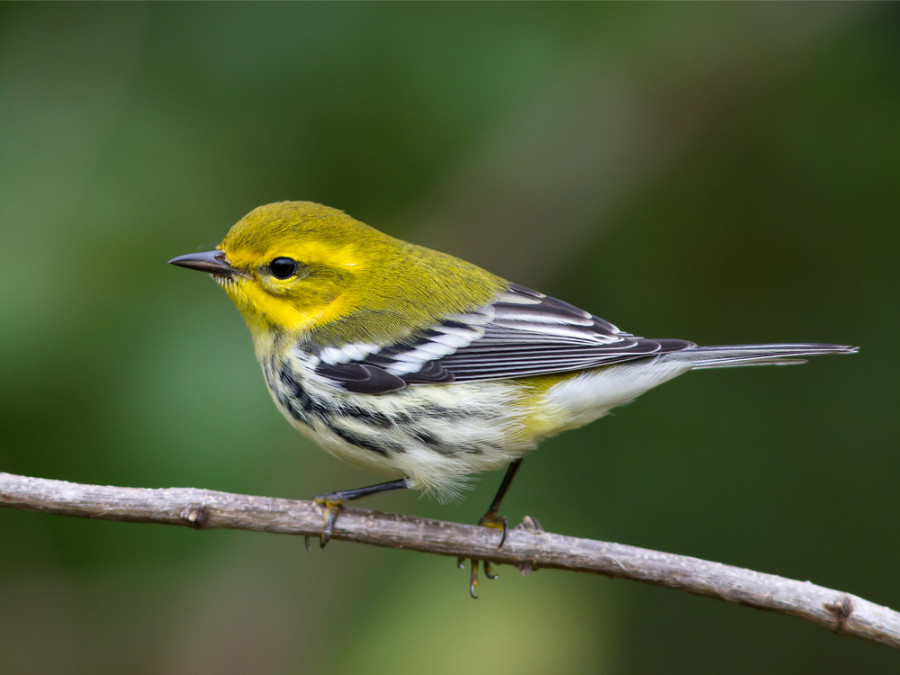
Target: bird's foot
[487, 520]
[332, 503]
[497, 522]
[473, 574]
[528, 523]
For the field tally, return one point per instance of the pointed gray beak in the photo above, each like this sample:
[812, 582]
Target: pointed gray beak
[213, 262]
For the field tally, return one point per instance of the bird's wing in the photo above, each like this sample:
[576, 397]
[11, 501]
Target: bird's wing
[521, 333]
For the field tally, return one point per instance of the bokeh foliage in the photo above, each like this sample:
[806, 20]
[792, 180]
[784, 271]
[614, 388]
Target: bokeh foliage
[725, 173]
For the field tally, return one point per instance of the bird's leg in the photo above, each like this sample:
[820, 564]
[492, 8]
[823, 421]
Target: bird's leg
[334, 502]
[492, 519]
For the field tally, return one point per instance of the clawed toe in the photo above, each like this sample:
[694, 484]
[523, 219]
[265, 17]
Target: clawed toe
[497, 522]
[487, 520]
[332, 504]
[501, 523]
[473, 574]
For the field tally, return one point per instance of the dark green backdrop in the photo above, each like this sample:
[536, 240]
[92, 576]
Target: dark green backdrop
[724, 173]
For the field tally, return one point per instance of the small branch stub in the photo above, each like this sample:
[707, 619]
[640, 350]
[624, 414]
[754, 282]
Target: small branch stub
[841, 610]
[196, 516]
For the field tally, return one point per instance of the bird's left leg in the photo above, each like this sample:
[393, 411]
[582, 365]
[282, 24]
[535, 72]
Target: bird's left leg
[491, 518]
[334, 502]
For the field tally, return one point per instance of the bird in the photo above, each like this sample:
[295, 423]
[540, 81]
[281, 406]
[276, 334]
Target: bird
[423, 367]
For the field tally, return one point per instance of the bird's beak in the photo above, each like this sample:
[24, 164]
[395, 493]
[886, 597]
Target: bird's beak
[213, 262]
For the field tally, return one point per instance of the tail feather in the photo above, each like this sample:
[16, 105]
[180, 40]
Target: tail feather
[727, 356]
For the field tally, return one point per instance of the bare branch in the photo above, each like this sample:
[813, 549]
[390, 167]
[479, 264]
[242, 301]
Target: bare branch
[524, 548]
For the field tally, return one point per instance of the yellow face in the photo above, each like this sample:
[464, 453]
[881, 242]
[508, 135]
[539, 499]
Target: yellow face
[290, 285]
[292, 266]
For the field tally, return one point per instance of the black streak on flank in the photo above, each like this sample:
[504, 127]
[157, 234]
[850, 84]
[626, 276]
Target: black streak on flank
[370, 417]
[430, 440]
[433, 442]
[299, 401]
[354, 439]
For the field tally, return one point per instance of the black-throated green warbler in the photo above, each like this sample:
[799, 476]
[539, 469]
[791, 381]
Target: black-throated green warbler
[421, 366]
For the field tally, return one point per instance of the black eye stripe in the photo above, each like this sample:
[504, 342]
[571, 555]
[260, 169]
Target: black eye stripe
[284, 268]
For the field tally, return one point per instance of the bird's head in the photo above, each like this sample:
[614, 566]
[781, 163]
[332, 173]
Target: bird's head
[291, 266]
[299, 269]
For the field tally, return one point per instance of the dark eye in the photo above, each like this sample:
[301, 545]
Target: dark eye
[283, 268]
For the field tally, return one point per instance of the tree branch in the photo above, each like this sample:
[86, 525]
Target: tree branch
[524, 548]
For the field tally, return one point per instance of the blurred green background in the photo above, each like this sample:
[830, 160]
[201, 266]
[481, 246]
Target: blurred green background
[724, 173]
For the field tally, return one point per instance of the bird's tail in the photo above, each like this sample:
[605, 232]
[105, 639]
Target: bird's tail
[726, 356]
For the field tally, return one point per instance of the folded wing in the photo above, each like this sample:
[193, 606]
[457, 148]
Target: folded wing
[522, 333]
